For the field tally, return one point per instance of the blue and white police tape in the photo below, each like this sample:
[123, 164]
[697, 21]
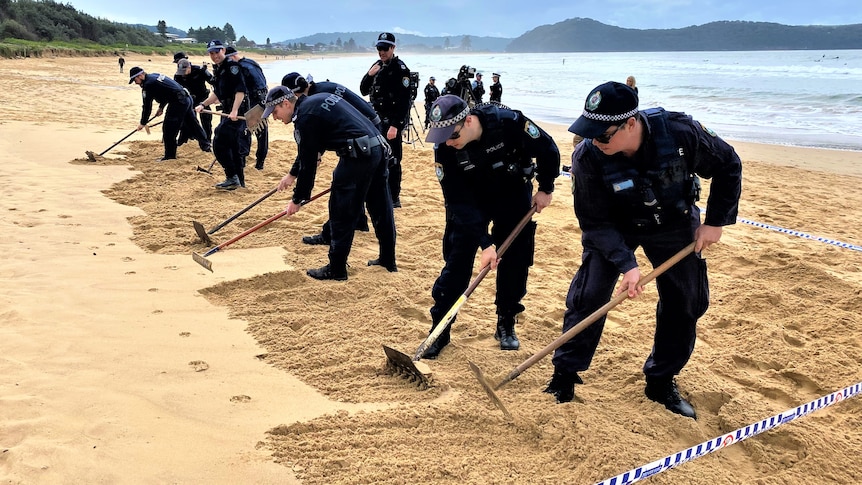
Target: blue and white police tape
[728, 439]
[801, 234]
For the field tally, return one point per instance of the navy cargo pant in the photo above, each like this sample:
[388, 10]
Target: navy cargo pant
[229, 142]
[465, 226]
[683, 292]
[356, 181]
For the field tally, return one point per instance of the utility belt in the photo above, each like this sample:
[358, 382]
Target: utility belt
[360, 147]
[526, 172]
[181, 95]
[257, 96]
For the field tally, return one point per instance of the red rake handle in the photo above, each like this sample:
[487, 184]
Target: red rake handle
[258, 226]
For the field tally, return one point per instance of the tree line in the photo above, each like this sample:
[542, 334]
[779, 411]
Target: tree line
[52, 21]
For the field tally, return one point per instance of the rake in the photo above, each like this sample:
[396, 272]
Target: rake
[202, 259]
[419, 372]
[569, 334]
[205, 235]
[92, 156]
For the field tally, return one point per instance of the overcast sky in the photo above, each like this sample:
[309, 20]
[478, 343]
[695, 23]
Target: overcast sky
[281, 20]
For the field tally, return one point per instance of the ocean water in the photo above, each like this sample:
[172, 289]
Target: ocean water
[797, 98]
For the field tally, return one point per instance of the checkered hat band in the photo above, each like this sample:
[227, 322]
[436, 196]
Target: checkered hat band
[457, 119]
[609, 118]
[276, 101]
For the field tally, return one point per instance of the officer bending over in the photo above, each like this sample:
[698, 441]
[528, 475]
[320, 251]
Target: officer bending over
[195, 79]
[635, 184]
[158, 87]
[484, 160]
[299, 85]
[327, 122]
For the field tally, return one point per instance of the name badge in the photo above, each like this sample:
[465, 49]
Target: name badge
[624, 185]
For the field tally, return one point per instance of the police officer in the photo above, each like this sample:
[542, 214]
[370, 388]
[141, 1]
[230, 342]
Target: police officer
[478, 88]
[324, 122]
[195, 80]
[299, 85]
[121, 62]
[179, 55]
[179, 116]
[635, 184]
[431, 95]
[496, 88]
[231, 136]
[387, 83]
[255, 81]
[484, 160]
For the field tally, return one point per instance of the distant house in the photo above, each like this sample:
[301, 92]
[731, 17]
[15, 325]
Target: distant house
[185, 40]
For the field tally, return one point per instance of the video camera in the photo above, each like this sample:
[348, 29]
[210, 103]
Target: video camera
[414, 84]
[466, 73]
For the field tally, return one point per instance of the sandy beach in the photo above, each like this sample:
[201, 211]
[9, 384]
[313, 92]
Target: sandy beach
[125, 361]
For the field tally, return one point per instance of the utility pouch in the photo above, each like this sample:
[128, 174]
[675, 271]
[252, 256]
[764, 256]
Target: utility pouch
[362, 145]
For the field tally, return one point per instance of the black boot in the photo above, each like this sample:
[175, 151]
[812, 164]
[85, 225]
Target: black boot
[317, 239]
[663, 390]
[506, 333]
[391, 267]
[562, 385]
[436, 347]
[328, 272]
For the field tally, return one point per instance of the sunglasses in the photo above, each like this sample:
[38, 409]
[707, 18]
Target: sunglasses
[457, 134]
[383, 48]
[605, 138]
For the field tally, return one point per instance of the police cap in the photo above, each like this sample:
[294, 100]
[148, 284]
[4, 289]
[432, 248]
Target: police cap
[133, 73]
[215, 45]
[182, 65]
[607, 105]
[274, 97]
[385, 39]
[446, 112]
[294, 82]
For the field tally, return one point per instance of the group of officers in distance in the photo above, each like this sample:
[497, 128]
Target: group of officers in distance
[636, 180]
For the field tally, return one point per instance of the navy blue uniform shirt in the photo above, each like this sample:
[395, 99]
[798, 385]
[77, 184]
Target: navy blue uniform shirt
[196, 82]
[706, 154]
[160, 88]
[323, 122]
[228, 82]
[389, 92]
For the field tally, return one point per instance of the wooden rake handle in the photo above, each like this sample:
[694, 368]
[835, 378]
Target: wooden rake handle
[450, 315]
[586, 322]
[219, 113]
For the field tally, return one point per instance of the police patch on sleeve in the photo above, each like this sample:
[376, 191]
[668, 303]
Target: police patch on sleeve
[531, 129]
[405, 81]
[438, 168]
[708, 131]
[234, 70]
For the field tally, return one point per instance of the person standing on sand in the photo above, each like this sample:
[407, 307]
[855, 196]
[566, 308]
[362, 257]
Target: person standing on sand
[179, 117]
[231, 138]
[121, 62]
[484, 163]
[325, 122]
[635, 184]
[387, 84]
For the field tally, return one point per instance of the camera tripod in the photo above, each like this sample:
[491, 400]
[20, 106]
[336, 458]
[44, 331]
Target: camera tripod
[412, 135]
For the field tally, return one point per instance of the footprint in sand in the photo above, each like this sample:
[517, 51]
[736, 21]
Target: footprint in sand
[156, 312]
[185, 334]
[153, 290]
[127, 259]
[240, 398]
[131, 272]
[199, 365]
[172, 267]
